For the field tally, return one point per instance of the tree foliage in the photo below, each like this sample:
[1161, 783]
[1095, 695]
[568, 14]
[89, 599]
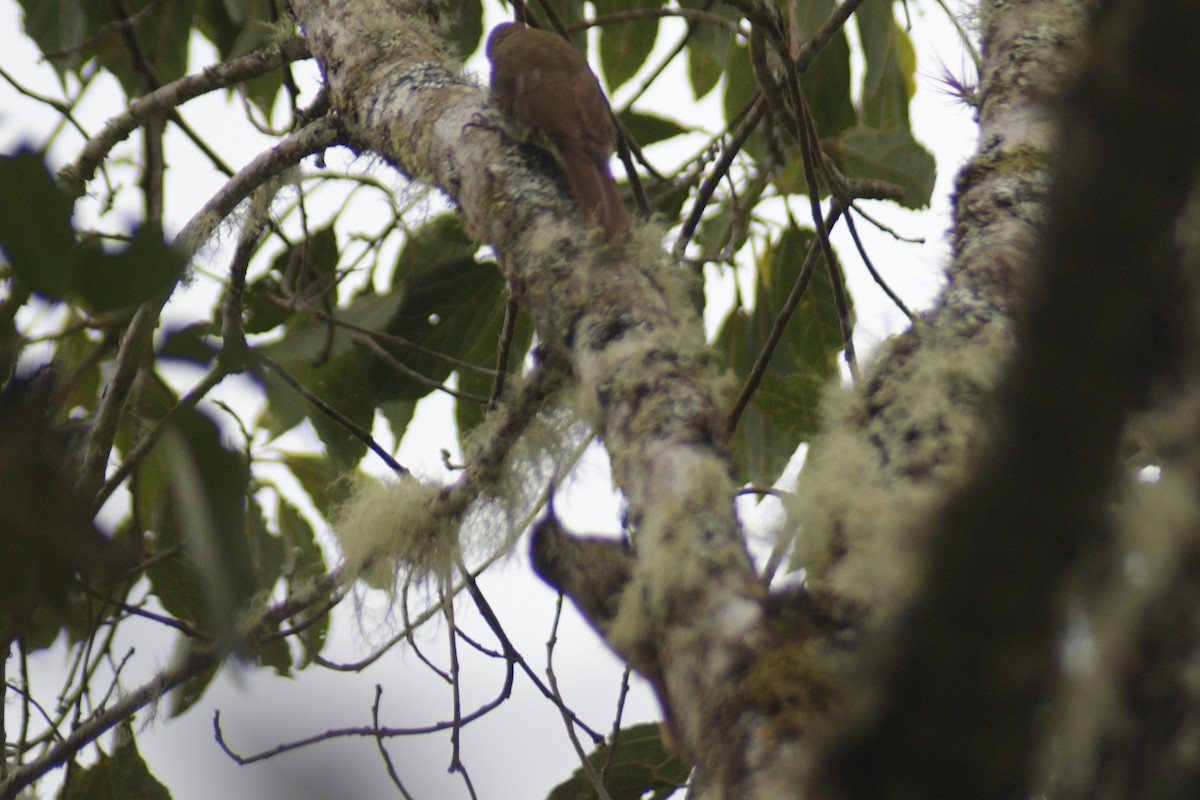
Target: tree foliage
[128, 493]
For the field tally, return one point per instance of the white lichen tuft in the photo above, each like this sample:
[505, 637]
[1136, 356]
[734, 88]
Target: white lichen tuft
[388, 527]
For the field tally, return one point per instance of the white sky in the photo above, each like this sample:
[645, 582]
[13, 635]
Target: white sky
[519, 750]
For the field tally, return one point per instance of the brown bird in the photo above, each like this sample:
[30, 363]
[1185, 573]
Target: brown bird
[551, 97]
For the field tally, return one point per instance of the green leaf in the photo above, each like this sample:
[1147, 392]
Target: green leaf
[188, 693]
[162, 31]
[826, 83]
[482, 353]
[265, 305]
[305, 558]
[783, 411]
[398, 414]
[344, 383]
[650, 128]
[466, 27]
[625, 46]
[890, 81]
[193, 343]
[37, 235]
[708, 48]
[132, 275]
[58, 27]
[639, 766]
[266, 550]
[213, 20]
[277, 655]
[307, 561]
[47, 537]
[893, 156]
[130, 775]
[740, 83]
[440, 243]
[308, 269]
[324, 358]
[325, 484]
[205, 509]
[124, 774]
[447, 306]
[35, 226]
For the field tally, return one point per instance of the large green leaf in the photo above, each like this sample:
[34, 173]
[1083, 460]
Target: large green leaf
[162, 31]
[466, 27]
[647, 128]
[783, 412]
[124, 774]
[307, 562]
[325, 484]
[324, 358]
[47, 537]
[483, 353]
[211, 581]
[640, 767]
[890, 80]
[708, 48]
[740, 86]
[448, 305]
[59, 27]
[893, 156]
[39, 240]
[123, 279]
[826, 83]
[625, 46]
[35, 226]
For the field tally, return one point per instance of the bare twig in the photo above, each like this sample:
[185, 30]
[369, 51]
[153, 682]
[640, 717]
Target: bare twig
[387, 759]
[757, 110]
[502, 351]
[777, 328]
[862, 252]
[355, 430]
[588, 768]
[77, 174]
[195, 661]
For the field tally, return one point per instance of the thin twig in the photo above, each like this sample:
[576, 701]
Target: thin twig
[489, 616]
[387, 759]
[456, 762]
[399, 366]
[77, 174]
[195, 661]
[588, 767]
[352, 427]
[862, 252]
[613, 740]
[372, 731]
[779, 325]
[507, 329]
[756, 111]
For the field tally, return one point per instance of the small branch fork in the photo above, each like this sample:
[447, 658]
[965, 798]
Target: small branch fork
[781, 93]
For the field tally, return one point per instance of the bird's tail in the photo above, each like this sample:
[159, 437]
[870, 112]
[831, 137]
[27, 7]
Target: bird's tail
[595, 193]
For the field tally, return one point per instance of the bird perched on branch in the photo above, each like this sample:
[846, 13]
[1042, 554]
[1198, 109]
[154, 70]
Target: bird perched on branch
[552, 98]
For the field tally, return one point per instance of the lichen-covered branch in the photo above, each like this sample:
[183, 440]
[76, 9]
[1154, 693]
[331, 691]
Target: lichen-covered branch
[898, 441]
[976, 656]
[646, 382]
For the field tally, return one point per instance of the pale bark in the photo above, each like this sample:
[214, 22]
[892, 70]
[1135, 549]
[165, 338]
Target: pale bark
[692, 616]
[1105, 323]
